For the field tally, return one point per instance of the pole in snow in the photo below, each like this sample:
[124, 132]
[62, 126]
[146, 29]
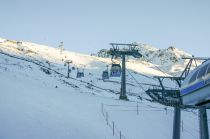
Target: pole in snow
[123, 80]
[68, 63]
[176, 124]
[203, 123]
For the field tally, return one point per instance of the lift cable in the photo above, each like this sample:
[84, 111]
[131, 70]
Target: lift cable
[140, 84]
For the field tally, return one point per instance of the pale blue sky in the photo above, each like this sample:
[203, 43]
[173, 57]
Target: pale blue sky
[89, 25]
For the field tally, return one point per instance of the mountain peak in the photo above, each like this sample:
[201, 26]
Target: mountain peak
[172, 48]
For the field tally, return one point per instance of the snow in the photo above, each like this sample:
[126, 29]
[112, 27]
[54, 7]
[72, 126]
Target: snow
[36, 104]
[45, 113]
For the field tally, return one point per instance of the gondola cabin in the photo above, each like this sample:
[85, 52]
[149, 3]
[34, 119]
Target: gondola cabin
[105, 75]
[115, 70]
[73, 68]
[195, 89]
[80, 74]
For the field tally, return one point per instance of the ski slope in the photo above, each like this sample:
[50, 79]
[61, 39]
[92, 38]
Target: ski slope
[38, 101]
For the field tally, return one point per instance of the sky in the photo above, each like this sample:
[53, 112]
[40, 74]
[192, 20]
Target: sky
[87, 26]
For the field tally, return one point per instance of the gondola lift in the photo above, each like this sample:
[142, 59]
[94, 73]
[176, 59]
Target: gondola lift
[80, 74]
[115, 70]
[105, 73]
[195, 89]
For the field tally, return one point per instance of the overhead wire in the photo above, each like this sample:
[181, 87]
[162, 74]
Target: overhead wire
[136, 81]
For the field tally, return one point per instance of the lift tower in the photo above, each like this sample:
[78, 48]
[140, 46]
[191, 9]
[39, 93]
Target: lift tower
[172, 97]
[169, 97]
[68, 63]
[129, 51]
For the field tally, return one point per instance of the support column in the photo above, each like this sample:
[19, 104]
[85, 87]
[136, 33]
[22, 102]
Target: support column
[203, 123]
[68, 70]
[123, 80]
[176, 123]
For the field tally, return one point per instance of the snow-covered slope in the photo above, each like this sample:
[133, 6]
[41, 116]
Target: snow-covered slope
[38, 101]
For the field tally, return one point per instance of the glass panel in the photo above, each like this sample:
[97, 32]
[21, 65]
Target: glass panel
[193, 78]
[202, 71]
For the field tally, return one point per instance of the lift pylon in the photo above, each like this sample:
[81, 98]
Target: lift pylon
[115, 51]
[171, 97]
[68, 70]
